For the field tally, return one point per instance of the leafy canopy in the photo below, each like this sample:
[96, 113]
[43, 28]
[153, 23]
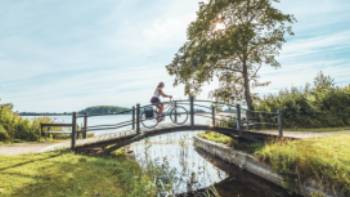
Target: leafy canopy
[230, 41]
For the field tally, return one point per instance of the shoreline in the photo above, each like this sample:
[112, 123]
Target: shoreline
[249, 163]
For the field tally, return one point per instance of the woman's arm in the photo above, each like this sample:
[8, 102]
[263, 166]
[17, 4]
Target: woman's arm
[164, 95]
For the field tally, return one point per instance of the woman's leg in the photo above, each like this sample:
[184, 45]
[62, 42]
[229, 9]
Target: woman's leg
[160, 107]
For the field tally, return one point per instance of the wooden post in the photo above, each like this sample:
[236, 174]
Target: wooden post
[41, 130]
[280, 123]
[85, 125]
[138, 118]
[192, 110]
[175, 111]
[74, 130]
[133, 117]
[239, 119]
[213, 115]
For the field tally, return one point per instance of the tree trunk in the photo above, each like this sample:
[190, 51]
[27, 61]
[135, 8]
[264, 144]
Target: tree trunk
[247, 94]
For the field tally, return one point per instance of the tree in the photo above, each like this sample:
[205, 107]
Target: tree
[230, 41]
[323, 82]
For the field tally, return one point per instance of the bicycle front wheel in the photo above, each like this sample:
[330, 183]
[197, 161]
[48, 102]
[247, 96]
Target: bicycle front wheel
[179, 115]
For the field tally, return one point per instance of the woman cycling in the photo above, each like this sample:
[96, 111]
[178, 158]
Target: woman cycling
[158, 92]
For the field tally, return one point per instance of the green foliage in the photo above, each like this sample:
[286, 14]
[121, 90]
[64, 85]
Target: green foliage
[4, 136]
[217, 137]
[67, 174]
[13, 127]
[251, 35]
[325, 160]
[100, 110]
[323, 105]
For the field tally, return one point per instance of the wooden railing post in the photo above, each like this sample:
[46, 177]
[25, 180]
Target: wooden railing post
[133, 117]
[74, 130]
[239, 119]
[213, 115]
[138, 118]
[192, 110]
[85, 125]
[280, 123]
[41, 130]
[175, 111]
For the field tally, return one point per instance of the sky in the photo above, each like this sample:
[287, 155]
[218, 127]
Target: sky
[62, 55]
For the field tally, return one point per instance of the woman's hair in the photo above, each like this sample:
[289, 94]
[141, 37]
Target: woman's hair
[160, 85]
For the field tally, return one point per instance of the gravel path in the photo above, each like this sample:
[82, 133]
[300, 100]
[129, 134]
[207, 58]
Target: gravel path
[306, 134]
[25, 148]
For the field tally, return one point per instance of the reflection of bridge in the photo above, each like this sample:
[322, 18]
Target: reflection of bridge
[230, 120]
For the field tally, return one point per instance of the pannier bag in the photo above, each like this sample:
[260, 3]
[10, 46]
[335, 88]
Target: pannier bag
[149, 113]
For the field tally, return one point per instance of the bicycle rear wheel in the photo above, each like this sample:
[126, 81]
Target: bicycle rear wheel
[179, 115]
[147, 121]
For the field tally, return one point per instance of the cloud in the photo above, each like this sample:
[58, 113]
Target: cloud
[64, 56]
[306, 46]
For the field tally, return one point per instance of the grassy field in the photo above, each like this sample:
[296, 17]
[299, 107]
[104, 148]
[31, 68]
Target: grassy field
[68, 174]
[326, 160]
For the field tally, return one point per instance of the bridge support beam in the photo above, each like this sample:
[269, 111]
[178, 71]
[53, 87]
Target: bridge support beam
[133, 117]
[192, 110]
[74, 130]
[280, 123]
[138, 119]
[239, 119]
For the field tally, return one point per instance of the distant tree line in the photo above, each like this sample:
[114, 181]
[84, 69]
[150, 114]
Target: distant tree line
[44, 114]
[105, 110]
[94, 110]
[322, 104]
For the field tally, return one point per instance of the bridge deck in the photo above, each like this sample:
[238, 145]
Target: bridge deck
[129, 136]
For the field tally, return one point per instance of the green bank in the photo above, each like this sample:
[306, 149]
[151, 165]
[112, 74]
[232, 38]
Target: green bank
[325, 160]
[68, 174]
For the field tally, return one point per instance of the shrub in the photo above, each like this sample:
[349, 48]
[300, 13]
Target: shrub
[319, 106]
[13, 127]
[4, 136]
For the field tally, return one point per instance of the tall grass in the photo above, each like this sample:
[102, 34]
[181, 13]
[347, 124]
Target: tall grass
[324, 160]
[216, 137]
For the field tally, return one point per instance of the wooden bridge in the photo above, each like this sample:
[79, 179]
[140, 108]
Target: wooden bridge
[183, 116]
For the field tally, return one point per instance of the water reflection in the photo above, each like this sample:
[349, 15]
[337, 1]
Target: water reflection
[192, 172]
[196, 172]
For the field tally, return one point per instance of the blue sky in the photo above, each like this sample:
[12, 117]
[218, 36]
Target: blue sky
[61, 55]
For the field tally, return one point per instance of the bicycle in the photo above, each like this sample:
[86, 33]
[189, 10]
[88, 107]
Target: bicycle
[150, 117]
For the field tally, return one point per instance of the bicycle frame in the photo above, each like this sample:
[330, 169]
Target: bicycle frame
[168, 107]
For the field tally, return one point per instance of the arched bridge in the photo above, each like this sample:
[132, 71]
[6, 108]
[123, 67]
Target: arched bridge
[141, 122]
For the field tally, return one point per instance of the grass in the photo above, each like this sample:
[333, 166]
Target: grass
[325, 160]
[68, 174]
[216, 137]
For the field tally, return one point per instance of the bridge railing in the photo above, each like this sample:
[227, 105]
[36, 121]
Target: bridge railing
[200, 112]
[259, 120]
